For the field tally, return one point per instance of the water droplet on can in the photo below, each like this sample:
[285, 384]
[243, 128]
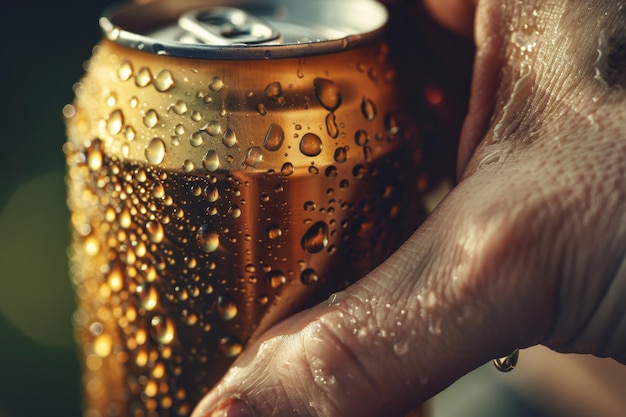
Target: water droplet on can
[151, 118]
[274, 137]
[216, 84]
[115, 122]
[94, 155]
[211, 161]
[275, 278]
[327, 93]
[287, 169]
[213, 128]
[125, 71]
[143, 77]
[368, 109]
[309, 276]
[230, 139]
[197, 139]
[361, 137]
[315, 239]
[226, 307]
[180, 107]
[341, 154]
[155, 151]
[163, 81]
[274, 91]
[311, 144]
[229, 346]
[331, 126]
[254, 156]
[155, 231]
[164, 329]
[274, 231]
[208, 239]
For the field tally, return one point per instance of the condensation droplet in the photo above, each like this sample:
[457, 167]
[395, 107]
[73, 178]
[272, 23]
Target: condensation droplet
[163, 81]
[309, 276]
[391, 124]
[341, 154]
[143, 77]
[361, 137]
[216, 84]
[155, 151]
[274, 91]
[226, 307]
[94, 155]
[213, 128]
[315, 239]
[164, 329]
[331, 126]
[208, 239]
[254, 156]
[368, 109]
[234, 211]
[211, 161]
[327, 93]
[125, 71]
[311, 144]
[115, 122]
[197, 139]
[188, 165]
[274, 137]
[155, 231]
[151, 119]
[129, 133]
[229, 139]
[274, 231]
[287, 169]
[180, 107]
[275, 278]
[229, 346]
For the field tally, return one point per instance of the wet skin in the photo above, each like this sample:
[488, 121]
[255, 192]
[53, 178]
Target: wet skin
[527, 249]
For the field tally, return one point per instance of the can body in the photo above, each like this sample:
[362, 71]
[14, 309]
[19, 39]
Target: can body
[212, 198]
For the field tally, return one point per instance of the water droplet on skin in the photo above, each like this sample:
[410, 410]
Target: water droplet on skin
[286, 169]
[230, 139]
[275, 279]
[208, 239]
[125, 71]
[143, 77]
[309, 276]
[155, 151]
[274, 138]
[229, 346]
[507, 363]
[211, 161]
[315, 239]
[216, 84]
[151, 119]
[115, 122]
[254, 156]
[226, 307]
[368, 109]
[310, 144]
[327, 93]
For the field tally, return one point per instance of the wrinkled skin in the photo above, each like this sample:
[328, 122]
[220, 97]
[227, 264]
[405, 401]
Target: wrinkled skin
[527, 249]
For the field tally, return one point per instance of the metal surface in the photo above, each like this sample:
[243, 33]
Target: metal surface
[296, 28]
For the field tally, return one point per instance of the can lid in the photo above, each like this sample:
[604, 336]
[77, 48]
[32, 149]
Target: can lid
[245, 29]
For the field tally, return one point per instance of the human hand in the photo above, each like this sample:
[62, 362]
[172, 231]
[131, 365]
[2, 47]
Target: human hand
[527, 249]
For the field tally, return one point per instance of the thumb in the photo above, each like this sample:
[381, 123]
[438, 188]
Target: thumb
[389, 342]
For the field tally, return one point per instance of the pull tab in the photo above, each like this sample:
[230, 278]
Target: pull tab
[226, 26]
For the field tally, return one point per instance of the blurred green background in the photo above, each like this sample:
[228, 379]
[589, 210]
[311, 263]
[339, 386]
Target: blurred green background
[43, 47]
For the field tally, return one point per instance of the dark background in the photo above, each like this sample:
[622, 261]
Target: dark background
[43, 46]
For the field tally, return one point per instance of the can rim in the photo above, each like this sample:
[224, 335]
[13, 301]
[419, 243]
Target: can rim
[124, 25]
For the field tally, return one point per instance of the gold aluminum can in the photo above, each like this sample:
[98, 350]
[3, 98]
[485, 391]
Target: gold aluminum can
[227, 167]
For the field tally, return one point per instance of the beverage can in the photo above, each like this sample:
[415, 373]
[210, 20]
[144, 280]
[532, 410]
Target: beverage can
[228, 165]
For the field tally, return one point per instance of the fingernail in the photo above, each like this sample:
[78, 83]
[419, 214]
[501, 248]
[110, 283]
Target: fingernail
[233, 407]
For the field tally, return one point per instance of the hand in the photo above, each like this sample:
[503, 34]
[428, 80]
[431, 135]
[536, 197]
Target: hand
[527, 249]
